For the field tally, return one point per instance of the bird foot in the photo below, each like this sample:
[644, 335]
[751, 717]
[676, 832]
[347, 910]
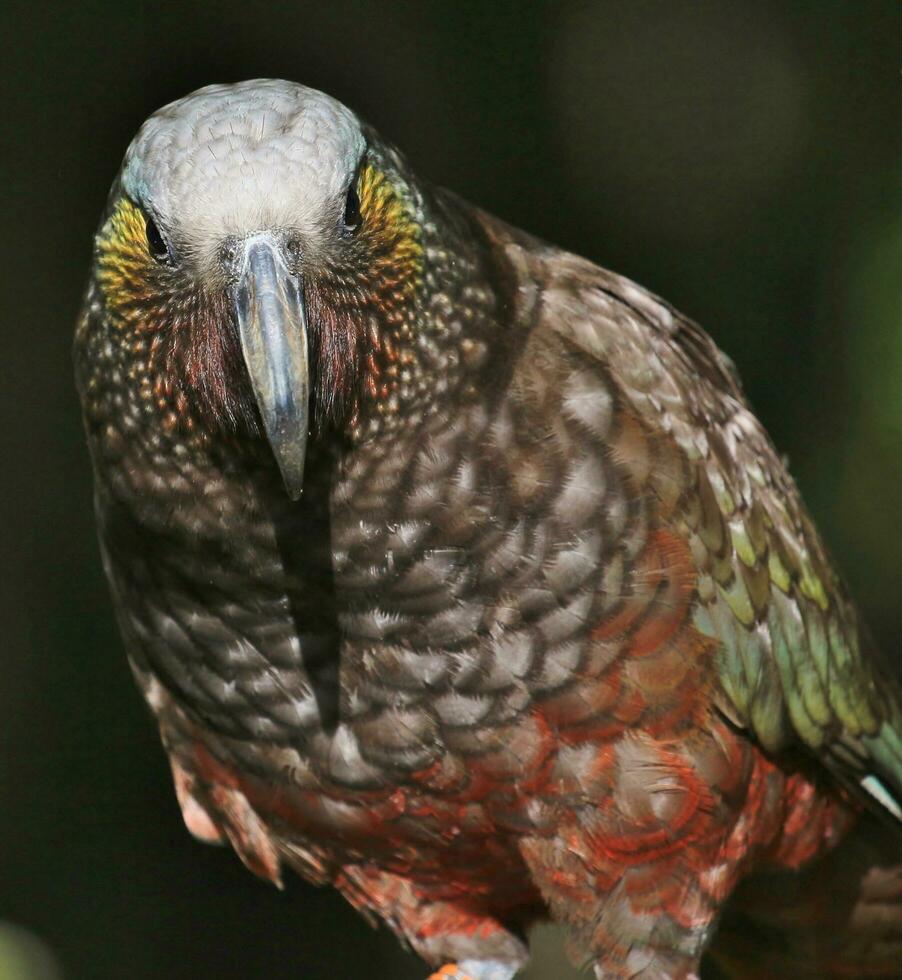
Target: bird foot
[477, 970]
[451, 971]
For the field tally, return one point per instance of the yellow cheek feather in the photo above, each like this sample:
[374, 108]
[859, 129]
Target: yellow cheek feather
[124, 262]
[394, 232]
[126, 271]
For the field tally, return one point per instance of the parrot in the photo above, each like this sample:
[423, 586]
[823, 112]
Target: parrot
[459, 575]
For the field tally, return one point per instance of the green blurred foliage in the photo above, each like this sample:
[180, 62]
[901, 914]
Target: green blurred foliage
[24, 957]
[740, 157]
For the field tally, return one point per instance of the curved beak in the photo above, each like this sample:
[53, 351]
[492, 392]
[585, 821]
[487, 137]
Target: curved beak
[272, 323]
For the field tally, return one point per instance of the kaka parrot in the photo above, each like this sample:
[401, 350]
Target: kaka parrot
[458, 573]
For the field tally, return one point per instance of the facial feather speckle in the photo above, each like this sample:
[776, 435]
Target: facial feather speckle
[365, 299]
[190, 360]
[359, 294]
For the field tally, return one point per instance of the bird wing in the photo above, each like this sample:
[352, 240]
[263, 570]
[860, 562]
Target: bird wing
[794, 663]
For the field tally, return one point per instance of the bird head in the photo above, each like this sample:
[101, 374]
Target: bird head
[260, 262]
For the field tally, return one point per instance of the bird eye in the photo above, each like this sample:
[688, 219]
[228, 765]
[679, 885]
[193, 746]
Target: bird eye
[155, 241]
[352, 209]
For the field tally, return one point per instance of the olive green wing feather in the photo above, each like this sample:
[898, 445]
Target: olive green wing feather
[794, 663]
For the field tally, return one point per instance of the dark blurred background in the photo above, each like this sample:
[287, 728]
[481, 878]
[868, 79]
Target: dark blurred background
[741, 157]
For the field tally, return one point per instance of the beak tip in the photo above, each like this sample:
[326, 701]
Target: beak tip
[291, 466]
